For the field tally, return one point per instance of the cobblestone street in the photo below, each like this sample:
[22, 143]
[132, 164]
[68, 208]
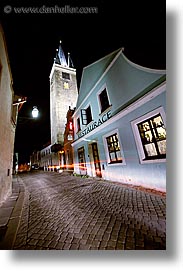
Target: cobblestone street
[61, 211]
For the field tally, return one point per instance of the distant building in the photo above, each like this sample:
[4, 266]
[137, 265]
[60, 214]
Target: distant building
[68, 139]
[8, 118]
[120, 122]
[35, 160]
[65, 155]
[46, 159]
[63, 96]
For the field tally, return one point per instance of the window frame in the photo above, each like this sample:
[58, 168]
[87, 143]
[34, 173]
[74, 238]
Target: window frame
[78, 125]
[104, 87]
[138, 140]
[82, 165]
[66, 78]
[84, 117]
[107, 153]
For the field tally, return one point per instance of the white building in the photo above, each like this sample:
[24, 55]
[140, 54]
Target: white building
[120, 122]
[8, 118]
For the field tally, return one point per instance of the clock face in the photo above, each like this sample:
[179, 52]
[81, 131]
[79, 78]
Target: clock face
[66, 85]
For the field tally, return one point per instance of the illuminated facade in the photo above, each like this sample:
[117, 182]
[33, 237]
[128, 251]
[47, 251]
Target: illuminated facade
[68, 139]
[8, 118]
[120, 122]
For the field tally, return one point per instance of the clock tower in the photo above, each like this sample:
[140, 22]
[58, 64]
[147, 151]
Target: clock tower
[63, 96]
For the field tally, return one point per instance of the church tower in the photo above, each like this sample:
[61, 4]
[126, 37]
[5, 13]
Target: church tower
[63, 96]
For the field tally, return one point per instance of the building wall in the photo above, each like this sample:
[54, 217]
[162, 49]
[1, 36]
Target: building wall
[68, 139]
[133, 92]
[46, 158]
[7, 126]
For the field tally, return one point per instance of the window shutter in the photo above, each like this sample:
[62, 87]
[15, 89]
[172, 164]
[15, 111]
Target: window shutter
[84, 116]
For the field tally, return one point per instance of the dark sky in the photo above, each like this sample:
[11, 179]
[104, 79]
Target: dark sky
[32, 39]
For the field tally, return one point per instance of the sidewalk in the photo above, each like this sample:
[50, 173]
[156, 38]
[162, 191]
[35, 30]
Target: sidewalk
[10, 215]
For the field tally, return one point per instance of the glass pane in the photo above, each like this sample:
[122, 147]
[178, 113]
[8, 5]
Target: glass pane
[161, 133]
[156, 121]
[148, 136]
[69, 137]
[113, 157]
[151, 149]
[104, 100]
[119, 157]
[162, 146]
[111, 148]
[145, 126]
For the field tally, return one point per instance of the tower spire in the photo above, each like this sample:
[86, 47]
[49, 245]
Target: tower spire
[70, 63]
[60, 56]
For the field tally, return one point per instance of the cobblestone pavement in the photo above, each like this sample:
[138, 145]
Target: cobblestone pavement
[70, 213]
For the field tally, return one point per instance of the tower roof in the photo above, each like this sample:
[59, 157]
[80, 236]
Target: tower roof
[60, 57]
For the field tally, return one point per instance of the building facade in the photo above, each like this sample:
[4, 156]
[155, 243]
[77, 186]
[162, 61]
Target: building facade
[65, 155]
[68, 139]
[120, 123]
[8, 118]
[35, 160]
[46, 159]
[63, 96]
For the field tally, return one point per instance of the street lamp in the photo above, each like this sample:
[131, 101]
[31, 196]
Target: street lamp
[35, 112]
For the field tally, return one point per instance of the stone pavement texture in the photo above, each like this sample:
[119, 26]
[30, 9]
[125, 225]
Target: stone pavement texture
[62, 212]
[10, 215]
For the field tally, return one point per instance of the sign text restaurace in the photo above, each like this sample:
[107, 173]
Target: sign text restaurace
[95, 124]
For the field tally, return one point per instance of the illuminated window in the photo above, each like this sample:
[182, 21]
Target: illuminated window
[150, 136]
[104, 101]
[65, 75]
[69, 137]
[66, 85]
[114, 150]
[153, 136]
[86, 115]
[70, 126]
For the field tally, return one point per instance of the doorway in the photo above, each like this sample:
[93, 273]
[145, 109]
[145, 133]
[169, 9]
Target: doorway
[96, 160]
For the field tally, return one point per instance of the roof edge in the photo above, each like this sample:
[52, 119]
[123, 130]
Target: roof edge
[116, 51]
[142, 68]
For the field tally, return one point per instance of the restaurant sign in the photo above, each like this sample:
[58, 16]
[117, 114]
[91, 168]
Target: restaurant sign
[95, 124]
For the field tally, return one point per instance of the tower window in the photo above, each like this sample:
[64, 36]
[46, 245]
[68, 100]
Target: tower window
[104, 101]
[65, 75]
[86, 115]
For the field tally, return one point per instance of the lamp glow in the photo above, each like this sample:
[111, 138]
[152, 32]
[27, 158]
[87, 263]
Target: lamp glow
[35, 112]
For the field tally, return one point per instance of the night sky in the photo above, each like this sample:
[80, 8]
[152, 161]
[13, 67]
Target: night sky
[32, 39]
